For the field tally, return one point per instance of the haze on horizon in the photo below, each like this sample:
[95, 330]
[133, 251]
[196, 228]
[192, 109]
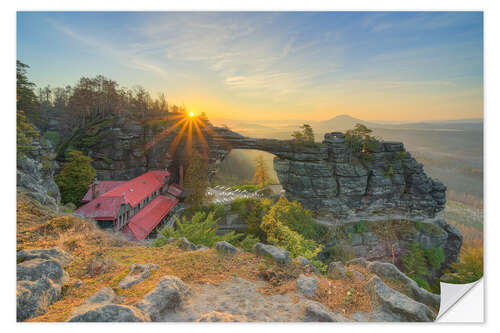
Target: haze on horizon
[384, 66]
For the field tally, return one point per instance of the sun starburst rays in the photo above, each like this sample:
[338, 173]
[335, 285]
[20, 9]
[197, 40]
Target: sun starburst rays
[188, 127]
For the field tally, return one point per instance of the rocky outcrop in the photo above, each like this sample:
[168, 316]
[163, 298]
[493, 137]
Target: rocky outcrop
[47, 254]
[166, 295]
[279, 255]
[35, 173]
[307, 285]
[103, 307]
[137, 274]
[182, 243]
[336, 270]
[226, 248]
[40, 277]
[396, 304]
[317, 312]
[325, 177]
[306, 264]
[389, 271]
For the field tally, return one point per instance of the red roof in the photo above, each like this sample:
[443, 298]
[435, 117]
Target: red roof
[132, 192]
[175, 190]
[103, 187]
[136, 190]
[101, 208]
[142, 223]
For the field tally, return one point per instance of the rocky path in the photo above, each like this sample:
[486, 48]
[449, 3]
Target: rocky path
[241, 299]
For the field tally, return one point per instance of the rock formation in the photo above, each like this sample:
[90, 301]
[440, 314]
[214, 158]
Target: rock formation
[35, 173]
[40, 277]
[325, 177]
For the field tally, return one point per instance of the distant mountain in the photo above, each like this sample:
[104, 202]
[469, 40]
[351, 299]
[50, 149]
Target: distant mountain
[341, 123]
[262, 129]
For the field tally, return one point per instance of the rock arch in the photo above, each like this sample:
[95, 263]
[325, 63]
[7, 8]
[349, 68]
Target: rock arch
[327, 178]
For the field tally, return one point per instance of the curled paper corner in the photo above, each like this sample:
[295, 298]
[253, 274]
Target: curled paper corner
[451, 294]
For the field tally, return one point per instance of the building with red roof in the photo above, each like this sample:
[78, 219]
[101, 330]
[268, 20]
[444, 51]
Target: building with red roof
[135, 207]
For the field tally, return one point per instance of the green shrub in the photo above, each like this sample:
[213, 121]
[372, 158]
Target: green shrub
[435, 256]
[75, 177]
[53, 137]
[201, 230]
[69, 207]
[360, 140]
[248, 242]
[293, 215]
[422, 282]
[414, 261]
[219, 210]
[275, 225]
[360, 227]
[247, 187]
[252, 211]
[160, 241]
[339, 252]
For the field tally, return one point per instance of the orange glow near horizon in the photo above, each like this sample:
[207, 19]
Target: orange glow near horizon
[185, 125]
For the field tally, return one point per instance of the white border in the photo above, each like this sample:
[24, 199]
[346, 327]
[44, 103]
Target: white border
[492, 109]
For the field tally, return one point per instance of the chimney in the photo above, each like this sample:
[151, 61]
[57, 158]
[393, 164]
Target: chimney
[95, 188]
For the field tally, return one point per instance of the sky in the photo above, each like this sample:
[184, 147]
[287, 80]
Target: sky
[390, 66]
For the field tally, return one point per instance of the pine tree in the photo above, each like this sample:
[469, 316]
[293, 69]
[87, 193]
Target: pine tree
[196, 179]
[75, 177]
[260, 176]
[304, 136]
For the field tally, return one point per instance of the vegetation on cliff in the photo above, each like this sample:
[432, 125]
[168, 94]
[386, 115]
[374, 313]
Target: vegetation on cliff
[75, 177]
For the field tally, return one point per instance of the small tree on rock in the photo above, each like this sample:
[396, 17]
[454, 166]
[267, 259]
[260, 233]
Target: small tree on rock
[304, 136]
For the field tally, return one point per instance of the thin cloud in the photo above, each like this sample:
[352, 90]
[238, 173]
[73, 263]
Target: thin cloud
[124, 57]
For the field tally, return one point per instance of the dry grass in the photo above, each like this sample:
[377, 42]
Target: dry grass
[345, 296]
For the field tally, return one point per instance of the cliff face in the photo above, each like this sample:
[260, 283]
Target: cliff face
[327, 178]
[340, 184]
[35, 173]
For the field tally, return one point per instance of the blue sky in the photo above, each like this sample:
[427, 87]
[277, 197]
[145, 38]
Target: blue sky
[272, 65]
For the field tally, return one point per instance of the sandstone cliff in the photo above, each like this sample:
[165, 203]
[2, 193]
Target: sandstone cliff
[325, 177]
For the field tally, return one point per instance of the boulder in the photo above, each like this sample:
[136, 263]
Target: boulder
[109, 313]
[307, 285]
[317, 312]
[202, 248]
[35, 269]
[394, 302]
[102, 307]
[165, 296]
[216, 316]
[277, 254]
[52, 253]
[137, 274]
[225, 247]
[390, 271]
[34, 297]
[336, 270]
[182, 243]
[357, 261]
[306, 264]
[103, 296]
[357, 275]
